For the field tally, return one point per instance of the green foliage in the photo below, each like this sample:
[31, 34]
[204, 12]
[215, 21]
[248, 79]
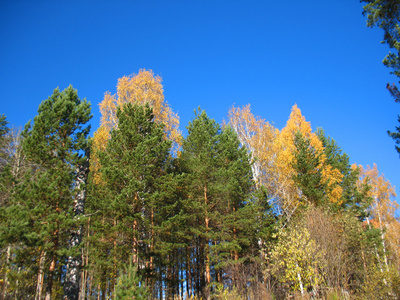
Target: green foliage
[4, 141]
[386, 15]
[308, 171]
[222, 293]
[295, 258]
[195, 223]
[381, 283]
[353, 198]
[39, 217]
[133, 195]
[219, 186]
[3, 126]
[130, 285]
[396, 135]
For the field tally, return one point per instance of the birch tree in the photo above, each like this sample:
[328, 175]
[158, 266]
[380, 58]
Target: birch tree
[138, 89]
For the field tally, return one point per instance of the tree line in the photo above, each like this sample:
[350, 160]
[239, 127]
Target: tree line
[239, 210]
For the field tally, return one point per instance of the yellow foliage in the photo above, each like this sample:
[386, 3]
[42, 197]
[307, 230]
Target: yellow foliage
[285, 145]
[146, 88]
[296, 258]
[258, 137]
[272, 152]
[139, 89]
[383, 207]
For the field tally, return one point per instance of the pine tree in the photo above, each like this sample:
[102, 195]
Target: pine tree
[129, 285]
[354, 198]
[133, 166]
[385, 14]
[53, 145]
[4, 159]
[3, 140]
[219, 182]
[308, 176]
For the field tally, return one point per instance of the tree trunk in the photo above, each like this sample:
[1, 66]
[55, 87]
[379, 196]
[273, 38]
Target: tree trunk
[85, 260]
[381, 225]
[207, 222]
[49, 286]
[300, 282]
[72, 276]
[5, 282]
[188, 273]
[378, 256]
[39, 284]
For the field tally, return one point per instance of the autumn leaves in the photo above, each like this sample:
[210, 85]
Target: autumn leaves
[274, 153]
[300, 178]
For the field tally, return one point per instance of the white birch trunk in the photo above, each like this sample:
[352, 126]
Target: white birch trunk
[72, 276]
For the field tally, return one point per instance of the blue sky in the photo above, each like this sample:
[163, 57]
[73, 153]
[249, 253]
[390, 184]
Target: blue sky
[212, 54]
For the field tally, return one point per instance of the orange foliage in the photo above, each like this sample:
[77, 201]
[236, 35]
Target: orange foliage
[258, 137]
[273, 155]
[383, 207]
[140, 89]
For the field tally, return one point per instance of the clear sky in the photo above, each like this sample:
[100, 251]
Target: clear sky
[212, 54]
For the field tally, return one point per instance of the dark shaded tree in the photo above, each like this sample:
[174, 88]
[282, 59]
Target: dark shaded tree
[133, 167]
[307, 166]
[354, 198]
[385, 14]
[219, 186]
[54, 146]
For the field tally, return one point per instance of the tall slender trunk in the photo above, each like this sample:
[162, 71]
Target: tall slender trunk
[201, 268]
[5, 281]
[72, 276]
[39, 284]
[236, 254]
[98, 291]
[17, 286]
[52, 268]
[49, 286]
[85, 260]
[200, 282]
[115, 262]
[188, 273]
[300, 282]
[378, 256]
[169, 278]
[151, 265]
[135, 258]
[381, 225]
[207, 250]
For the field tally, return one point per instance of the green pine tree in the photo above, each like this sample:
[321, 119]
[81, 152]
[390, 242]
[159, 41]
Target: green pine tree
[219, 186]
[130, 285]
[308, 174]
[353, 198]
[133, 168]
[385, 14]
[43, 203]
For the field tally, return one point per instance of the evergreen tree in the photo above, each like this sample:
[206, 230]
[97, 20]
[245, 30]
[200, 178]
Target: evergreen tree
[3, 126]
[4, 159]
[3, 140]
[386, 15]
[129, 285]
[54, 146]
[133, 167]
[219, 184]
[307, 168]
[353, 198]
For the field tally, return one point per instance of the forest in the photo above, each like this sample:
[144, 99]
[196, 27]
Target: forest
[233, 210]
[239, 210]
